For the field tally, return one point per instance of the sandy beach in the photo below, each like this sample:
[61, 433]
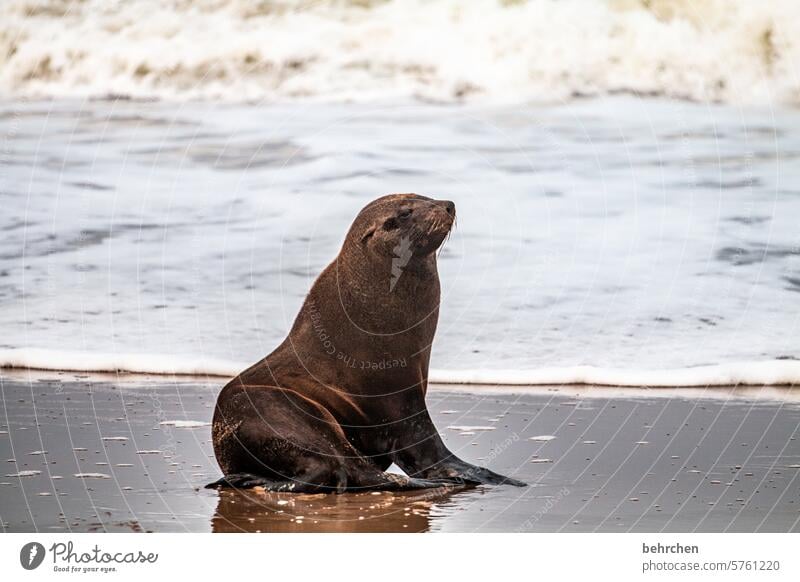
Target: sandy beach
[132, 453]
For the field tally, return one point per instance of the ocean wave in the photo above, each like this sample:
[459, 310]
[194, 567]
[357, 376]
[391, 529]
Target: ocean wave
[764, 373]
[158, 364]
[484, 50]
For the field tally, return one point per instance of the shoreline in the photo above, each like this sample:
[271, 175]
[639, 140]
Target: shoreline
[777, 372]
[767, 392]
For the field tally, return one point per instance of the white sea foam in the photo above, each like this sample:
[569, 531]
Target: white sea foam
[765, 373]
[470, 429]
[779, 372]
[30, 473]
[185, 423]
[736, 50]
[41, 359]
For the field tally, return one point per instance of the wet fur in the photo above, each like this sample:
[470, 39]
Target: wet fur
[305, 418]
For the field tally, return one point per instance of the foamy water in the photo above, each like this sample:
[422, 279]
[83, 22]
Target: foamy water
[764, 373]
[740, 51]
[619, 241]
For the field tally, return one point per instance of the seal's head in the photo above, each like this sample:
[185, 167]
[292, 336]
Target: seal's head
[402, 223]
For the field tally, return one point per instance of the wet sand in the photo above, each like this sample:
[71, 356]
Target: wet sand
[106, 453]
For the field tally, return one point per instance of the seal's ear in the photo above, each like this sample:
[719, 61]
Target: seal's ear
[367, 235]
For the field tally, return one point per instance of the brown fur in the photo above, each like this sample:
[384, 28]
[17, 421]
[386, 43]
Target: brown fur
[344, 395]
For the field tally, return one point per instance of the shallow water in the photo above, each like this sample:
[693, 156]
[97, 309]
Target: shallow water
[616, 233]
[714, 461]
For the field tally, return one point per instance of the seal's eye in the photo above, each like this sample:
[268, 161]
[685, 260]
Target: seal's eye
[391, 224]
[404, 213]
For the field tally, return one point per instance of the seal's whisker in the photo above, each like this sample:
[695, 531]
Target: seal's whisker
[432, 227]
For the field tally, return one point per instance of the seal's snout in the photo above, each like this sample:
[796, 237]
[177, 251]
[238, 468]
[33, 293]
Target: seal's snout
[435, 221]
[449, 207]
[442, 212]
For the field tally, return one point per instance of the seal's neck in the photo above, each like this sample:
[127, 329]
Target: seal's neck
[355, 325]
[405, 282]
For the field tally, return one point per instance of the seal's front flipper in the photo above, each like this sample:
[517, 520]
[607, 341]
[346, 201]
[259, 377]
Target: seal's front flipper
[423, 454]
[400, 483]
[483, 476]
[460, 472]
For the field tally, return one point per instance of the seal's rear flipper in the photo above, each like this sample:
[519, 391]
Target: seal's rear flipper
[389, 483]
[248, 480]
[236, 480]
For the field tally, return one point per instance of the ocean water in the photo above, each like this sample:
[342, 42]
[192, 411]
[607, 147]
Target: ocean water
[742, 51]
[624, 234]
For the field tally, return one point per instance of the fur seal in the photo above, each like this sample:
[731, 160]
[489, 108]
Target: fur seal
[343, 397]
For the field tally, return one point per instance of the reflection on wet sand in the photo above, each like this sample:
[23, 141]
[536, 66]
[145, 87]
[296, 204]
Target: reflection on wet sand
[256, 510]
[89, 453]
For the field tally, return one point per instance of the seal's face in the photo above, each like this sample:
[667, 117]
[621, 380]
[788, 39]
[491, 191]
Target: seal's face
[404, 224]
